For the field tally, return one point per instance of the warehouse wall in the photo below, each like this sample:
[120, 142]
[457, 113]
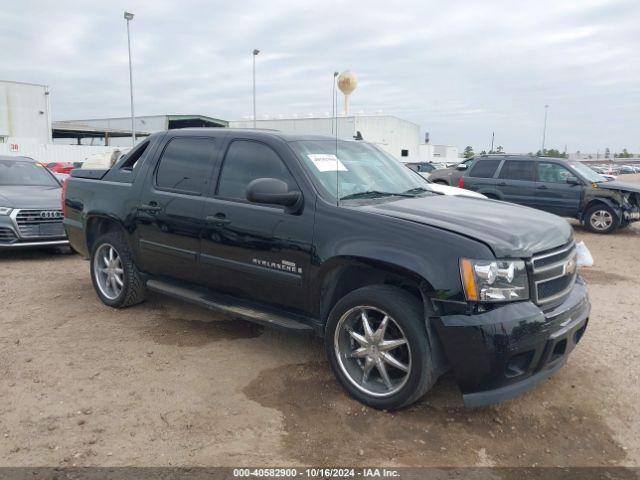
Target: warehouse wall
[49, 152]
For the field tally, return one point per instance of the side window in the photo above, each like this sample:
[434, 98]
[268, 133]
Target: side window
[518, 170]
[552, 173]
[185, 165]
[131, 159]
[485, 168]
[246, 161]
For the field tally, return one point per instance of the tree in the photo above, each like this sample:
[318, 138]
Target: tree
[500, 149]
[624, 154]
[468, 151]
[552, 152]
[483, 152]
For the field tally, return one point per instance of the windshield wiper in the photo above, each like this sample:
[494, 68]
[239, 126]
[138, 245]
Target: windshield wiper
[417, 190]
[374, 194]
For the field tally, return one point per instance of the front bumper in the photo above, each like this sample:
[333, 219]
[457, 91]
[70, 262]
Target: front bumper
[501, 353]
[10, 237]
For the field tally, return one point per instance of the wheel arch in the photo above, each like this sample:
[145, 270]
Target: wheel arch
[492, 194]
[343, 274]
[99, 224]
[604, 201]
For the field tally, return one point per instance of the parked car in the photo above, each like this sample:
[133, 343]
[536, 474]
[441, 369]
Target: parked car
[421, 167]
[447, 190]
[338, 239]
[451, 176]
[30, 210]
[60, 167]
[566, 188]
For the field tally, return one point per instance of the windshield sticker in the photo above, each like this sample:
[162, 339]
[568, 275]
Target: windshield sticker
[326, 162]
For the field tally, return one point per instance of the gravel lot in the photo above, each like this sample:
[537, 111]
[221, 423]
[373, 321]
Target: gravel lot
[166, 383]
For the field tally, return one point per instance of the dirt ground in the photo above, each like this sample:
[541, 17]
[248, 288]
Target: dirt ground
[165, 383]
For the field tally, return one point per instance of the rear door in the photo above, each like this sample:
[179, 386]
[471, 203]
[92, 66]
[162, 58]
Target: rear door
[259, 252]
[516, 182]
[480, 177]
[553, 193]
[169, 216]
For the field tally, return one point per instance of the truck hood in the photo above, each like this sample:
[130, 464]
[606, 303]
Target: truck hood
[511, 231]
[30, 197]
[622, 186]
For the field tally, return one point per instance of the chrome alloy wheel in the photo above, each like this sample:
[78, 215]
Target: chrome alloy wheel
[601, 220]
[372, 351]
[108, 271]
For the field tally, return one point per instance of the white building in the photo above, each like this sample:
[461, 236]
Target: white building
[25, 112]
[400, 138]
[26, 126]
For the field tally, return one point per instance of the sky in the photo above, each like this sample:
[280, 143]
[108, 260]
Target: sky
[459, 69]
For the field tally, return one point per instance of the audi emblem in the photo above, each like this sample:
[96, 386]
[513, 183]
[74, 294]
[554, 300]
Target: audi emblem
[51, 214]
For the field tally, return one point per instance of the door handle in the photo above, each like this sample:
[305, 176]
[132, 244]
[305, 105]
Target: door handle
[542, 187]
[150, 207]
[502, 184]
[217, 219]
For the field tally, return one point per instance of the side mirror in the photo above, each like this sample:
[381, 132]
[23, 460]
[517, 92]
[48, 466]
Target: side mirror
[271, 191]
[573, 181]
[461, 166]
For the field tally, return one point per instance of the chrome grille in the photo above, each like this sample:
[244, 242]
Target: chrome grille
[554, 274]
[34, 223]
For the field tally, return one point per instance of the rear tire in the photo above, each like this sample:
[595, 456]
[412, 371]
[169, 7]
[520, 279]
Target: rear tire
[115, 276]
[601, 219]
[359, 355]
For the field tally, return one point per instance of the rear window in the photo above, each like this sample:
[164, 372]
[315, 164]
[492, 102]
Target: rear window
[518, 170]
[185, 165]
[485, 168]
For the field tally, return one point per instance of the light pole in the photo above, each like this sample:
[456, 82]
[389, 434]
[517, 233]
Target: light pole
[128, 17]
[255, 54]
[544, 130]
[333, 103]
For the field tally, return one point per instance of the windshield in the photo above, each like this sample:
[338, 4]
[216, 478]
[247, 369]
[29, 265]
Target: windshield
[586, 172]
[18, 172]
[362, 170]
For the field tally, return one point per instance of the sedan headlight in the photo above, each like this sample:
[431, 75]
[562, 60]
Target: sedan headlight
[5, 210]
[494, 280]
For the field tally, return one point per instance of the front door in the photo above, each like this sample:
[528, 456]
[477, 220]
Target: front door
[554, 194]
[169, 216]
[256, 251]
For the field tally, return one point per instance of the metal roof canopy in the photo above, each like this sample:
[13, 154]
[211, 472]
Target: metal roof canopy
[78, 131]
[185, 121]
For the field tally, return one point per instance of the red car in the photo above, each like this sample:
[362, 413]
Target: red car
[60, 167]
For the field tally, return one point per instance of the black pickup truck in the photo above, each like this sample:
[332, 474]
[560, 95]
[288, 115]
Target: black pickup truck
[338, 239]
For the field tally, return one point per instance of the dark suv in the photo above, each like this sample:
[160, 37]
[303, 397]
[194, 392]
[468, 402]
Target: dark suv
[566, 188]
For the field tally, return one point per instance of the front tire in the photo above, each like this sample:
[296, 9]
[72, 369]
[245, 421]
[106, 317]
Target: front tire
[115, 276]
[601, 219]
[376, 342]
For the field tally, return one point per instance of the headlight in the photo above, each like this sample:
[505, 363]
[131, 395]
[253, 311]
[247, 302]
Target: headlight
[5, 210]
[494, 281]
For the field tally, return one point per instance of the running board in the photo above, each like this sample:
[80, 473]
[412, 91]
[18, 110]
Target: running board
[229, 305]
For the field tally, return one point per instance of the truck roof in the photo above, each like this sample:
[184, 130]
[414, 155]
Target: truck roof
[258, 132]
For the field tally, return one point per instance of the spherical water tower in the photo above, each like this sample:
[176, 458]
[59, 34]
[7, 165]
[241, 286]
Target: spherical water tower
[347, 83]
